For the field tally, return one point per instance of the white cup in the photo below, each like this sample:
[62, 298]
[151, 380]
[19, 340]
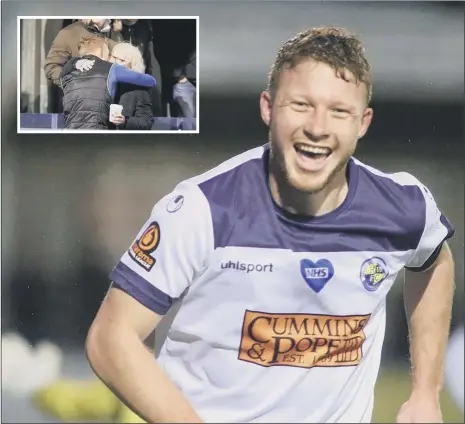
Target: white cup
[115, 110]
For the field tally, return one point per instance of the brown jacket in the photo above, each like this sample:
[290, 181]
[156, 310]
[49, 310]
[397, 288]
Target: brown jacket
[65, 46]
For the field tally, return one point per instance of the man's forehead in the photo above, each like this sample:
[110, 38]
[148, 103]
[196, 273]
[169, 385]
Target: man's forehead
[308, 68]
[303, 75]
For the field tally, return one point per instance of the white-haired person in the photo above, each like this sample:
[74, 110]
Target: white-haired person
[137, 111]
[139, 33]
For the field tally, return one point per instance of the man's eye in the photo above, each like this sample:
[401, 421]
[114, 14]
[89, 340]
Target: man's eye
[300, 105]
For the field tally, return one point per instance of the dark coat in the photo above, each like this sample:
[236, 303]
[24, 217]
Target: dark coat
[137, 107]
[86, 99]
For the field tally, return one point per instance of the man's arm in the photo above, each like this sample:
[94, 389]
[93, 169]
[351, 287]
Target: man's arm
[57, 56]
[68, 67]
[121, 74]
[428, 303]
[117, 354]
[177, 247]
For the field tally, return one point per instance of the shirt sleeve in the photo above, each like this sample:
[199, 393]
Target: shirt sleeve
[58, 55]
[437, 229]
[119, 73]
[170, 251]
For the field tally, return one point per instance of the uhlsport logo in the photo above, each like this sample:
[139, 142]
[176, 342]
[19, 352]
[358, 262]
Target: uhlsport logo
[301, 340]
[316, 274]
[373, 272]
[141, 249]
[245, 267]
[175, 204]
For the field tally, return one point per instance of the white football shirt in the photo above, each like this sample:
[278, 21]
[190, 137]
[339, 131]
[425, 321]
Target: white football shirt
[282, 317]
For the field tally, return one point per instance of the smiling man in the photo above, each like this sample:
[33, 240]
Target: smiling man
[299, 340]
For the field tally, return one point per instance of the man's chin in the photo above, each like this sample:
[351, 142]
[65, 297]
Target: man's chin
[307, 184]
[313, 182]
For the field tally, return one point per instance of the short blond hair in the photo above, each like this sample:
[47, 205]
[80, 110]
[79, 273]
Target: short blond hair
[91, 43]
[131, 54]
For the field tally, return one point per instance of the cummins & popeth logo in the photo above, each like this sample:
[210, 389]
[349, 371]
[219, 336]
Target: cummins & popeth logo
[302, 340]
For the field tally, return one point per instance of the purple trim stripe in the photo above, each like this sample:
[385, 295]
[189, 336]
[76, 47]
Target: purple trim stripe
[430, 261]
[140, 289]
[448, 225]
[377, 215]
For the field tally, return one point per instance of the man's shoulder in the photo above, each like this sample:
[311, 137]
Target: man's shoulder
[69, 66]
[397, 196]
[77, 24]
[233, 178]
[75, 27]
[231, 169]
[218, 196]
[399, 180]
[100, 64]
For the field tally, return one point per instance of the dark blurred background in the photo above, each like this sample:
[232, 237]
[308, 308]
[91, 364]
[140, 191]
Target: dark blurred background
[71, 204]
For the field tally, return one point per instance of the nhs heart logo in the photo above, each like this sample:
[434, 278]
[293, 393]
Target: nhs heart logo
[316, 274]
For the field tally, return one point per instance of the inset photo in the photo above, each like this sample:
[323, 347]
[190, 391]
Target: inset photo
[106, 74]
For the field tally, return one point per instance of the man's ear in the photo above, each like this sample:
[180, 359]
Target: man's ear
[366, 121]
[265, 107]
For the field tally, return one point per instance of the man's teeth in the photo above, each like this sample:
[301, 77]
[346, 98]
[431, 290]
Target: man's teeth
[314, 150]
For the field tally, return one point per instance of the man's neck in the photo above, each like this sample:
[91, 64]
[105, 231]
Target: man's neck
[309, 204]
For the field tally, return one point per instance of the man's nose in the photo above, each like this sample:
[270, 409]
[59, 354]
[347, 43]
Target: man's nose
[316, 127]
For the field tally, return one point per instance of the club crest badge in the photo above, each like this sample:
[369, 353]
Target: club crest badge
[373, 272]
